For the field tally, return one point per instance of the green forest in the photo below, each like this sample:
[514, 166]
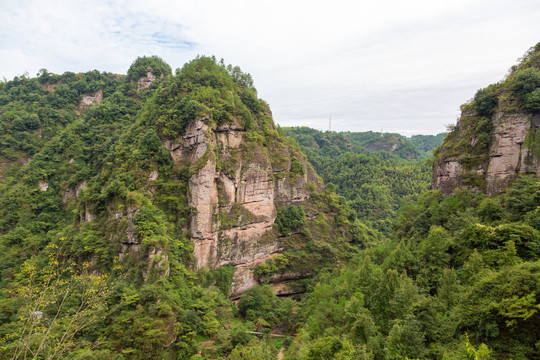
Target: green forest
[361, 167]
[385, 268]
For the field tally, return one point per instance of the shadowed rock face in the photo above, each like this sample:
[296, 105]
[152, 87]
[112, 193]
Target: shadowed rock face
[508, 157]
[245, 194]
[447, 175]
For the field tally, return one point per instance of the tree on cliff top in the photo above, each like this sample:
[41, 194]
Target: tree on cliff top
[142, 65]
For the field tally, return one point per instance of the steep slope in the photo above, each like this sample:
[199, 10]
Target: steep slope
[179, 186]
[240, 176]
[201, 154]
[496, 137]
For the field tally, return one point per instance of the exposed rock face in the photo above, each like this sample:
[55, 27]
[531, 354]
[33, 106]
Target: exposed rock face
[43, 185]
[146, 81]
[235, 207]
[158, 262]
[88, 216]
[447, 175]
[90, 100]
[376, 146]
[153, 175]
[508, 156]
[129, 239]
[50, 87]
[74, 193]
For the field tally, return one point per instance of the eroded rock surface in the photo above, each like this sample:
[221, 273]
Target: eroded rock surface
[508, 157]
[235, 206]
[146, 81]
[43, 185]
[89, 100]
[447, 175]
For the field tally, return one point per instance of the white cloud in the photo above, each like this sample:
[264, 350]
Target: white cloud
[402, 66]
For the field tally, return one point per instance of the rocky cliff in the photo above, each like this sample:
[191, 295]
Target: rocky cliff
[507, 156]
[235, 194]
[496, 137]
[203, 168]
[177, 192]
[165, 172]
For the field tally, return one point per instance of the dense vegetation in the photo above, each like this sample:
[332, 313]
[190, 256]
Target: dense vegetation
[427, 142]
[76, 195]
[461, 276]
[360, 166]
[453, 277]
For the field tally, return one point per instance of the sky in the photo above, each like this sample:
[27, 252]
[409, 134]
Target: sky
[392, 66]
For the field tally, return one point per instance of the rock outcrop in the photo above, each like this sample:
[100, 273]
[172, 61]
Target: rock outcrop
[497, 137]
[89, 100]
[43, 185]
[508, 153]
[506, 156]
[145, 81]
[234, 191]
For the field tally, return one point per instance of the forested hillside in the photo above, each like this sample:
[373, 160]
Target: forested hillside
[110, 248]
[459, 277]
[165, 216]
[459, 280]
[427, 142]
[375, 173]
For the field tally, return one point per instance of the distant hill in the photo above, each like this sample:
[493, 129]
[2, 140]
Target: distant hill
[375, 172]
[427, 143]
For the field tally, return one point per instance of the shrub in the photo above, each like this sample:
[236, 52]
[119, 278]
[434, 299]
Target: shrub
[532, 101]
[485, 101]
[290, 218]
[526, 82]
[296, 167]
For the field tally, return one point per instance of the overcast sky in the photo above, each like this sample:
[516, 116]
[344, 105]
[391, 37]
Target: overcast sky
[397, 66]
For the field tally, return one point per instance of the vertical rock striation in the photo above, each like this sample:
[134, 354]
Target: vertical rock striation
[497, 137]
[234, 191]
[507, 156]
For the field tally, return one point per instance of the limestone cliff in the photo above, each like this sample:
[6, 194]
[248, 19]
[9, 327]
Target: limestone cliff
[172, 175]
[205, 134]
[496, 137]
[235, 193]
[506, 157]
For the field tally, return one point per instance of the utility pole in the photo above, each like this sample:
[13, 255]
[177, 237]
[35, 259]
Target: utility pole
[330, 123]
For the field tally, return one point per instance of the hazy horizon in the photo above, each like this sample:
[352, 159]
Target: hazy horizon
[400, 67]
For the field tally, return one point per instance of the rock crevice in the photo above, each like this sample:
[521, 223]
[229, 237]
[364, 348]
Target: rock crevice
[506, 157]
[244, 195]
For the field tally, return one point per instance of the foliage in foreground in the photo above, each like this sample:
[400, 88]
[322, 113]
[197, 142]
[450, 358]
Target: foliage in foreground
[461, 280]
[375, 184]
